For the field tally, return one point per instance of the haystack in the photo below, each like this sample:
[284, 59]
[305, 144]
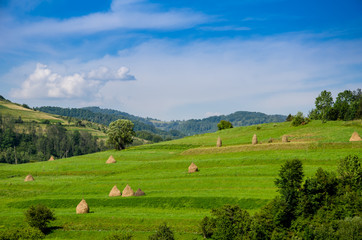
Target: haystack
[82, 207]
[127, 191]
[28, 178]
[193, 168]
[139, 192]
[218, 142]
[115, 192]
[285, 138]
[254, 140]
[355, 137]
[111, 159]
[51, 158]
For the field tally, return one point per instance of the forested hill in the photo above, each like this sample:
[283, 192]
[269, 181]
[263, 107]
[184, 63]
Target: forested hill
[106, 116]
[172, 128]
[206, 125]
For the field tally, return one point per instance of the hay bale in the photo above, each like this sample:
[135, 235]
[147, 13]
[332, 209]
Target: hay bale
[254, 140]
[139, 192]
[218, 142]
[285, 138]
[29, 178]
[51, 158]
[82, 207]
[193, 168]
[355, 137]
[127, 191]
[111, 160]
[115, 192]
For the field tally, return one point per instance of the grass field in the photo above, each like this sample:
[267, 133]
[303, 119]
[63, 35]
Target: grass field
[29, 116]
[237, 173]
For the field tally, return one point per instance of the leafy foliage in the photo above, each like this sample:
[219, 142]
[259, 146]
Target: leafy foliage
[224, 125]
[21, 233]
[299, 119]
[163, 233]
[348, 106]
[39, 217]
[120, 133]
[36, 143]
[326, 206]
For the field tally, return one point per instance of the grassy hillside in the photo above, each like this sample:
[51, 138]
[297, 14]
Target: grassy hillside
[27, 115]
[237, 173]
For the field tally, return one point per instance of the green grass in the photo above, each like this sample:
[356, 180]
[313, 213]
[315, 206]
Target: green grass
[237, 173]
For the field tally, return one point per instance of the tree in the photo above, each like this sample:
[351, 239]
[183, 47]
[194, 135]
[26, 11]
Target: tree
[223, 124]
[289, 184]
[39, 216]
[120, 133]
[324, 103]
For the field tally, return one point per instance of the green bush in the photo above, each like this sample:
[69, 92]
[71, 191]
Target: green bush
[39, 216]
[224, 125]
[163, 233]
[24, 233]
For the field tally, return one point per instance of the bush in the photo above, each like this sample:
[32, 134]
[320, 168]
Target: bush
[224, 125]
[207, 225]
[39, 216]
[163, 233]
[24, 233]
[299, 119]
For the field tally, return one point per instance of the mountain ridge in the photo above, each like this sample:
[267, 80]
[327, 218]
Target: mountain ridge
[176, 128]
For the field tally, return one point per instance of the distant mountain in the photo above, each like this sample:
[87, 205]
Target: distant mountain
[172, 129]
[207, 125]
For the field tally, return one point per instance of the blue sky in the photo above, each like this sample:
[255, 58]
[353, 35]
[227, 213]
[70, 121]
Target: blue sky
[179, 59]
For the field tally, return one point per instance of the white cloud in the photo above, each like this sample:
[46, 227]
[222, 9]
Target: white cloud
[123, 15]
[281, 75]
[105, 73]
[43, 83]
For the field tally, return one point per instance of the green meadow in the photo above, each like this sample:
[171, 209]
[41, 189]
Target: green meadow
[237, 173]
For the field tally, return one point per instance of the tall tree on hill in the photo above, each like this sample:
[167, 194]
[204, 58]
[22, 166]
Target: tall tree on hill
[120, 133]
[324, 103]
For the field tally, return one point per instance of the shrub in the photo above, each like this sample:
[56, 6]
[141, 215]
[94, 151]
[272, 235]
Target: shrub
[299, 119]
[224, 125]
[207, 225]
[24, 233]
[163, 233]
[39, 216]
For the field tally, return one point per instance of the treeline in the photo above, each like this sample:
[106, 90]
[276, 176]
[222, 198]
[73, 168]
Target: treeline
[348, 106]
[142, 126]
[25, 142]
[207, 125]
[325, 206]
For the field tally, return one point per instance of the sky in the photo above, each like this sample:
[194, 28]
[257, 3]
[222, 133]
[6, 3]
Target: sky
[179, 59]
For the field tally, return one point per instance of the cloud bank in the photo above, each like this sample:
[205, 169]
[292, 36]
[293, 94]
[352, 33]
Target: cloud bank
[44, 83]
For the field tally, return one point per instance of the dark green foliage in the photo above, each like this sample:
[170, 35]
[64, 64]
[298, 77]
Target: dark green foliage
[21, 233]
[227, 222]
[120, 236]
[120, 133]
[350, 172]
[289, 183]
[326, 206]
[207, 226]
[289, 118]
[163, 233]
[38, 144]
[348, 106]
[224, 125]
[39, 217]
[299, 119]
